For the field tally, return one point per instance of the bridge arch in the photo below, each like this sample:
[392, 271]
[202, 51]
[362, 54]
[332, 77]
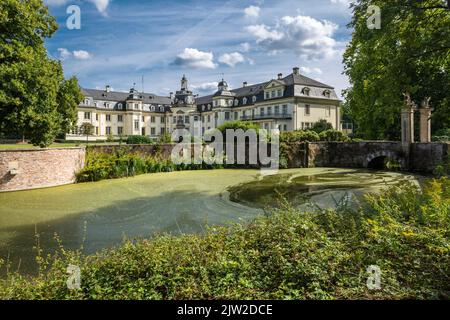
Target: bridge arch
[377, 159]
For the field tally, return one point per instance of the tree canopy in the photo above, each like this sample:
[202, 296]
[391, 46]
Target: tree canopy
[410, 53]
[36, 101]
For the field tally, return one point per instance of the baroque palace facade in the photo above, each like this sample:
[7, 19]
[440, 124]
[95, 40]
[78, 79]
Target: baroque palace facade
[289, 103]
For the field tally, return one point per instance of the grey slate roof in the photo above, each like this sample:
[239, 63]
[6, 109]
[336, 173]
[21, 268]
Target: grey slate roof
[147, 98]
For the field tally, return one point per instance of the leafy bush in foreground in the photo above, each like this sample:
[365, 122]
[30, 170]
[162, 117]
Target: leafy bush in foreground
[319, 254]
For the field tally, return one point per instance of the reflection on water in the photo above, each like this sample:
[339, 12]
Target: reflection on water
[99, 215]
[323, 189]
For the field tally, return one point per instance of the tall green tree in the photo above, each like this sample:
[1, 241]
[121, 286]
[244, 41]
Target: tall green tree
[410, 53]
[35, 100]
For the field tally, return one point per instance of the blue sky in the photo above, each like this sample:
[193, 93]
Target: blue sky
[245, 40]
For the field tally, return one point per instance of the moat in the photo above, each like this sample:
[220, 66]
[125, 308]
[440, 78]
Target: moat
[100, 215]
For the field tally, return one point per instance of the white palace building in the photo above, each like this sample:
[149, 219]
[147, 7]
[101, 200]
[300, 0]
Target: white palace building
[294, 102]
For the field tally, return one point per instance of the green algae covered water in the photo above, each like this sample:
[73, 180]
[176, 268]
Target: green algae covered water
[101, 214]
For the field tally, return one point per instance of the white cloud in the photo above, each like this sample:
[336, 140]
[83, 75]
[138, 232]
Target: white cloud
[308, 37]
[81, 55]
[309, 70]
[252, 12]
[231, 59]
[194, 58]
[245, 47]
[101, 5]
[342, 2]
[263, 33]
[55, 2]
[64, 53]
[205, 87]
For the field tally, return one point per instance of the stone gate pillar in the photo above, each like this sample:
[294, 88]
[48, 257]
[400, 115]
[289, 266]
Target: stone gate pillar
[425, 121]
[408, 121]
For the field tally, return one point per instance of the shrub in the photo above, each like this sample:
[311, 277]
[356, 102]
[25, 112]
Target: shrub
[299, 136]
[139, 140]
[333, 135]
[287, 254]
[244, 125]
[321, 126]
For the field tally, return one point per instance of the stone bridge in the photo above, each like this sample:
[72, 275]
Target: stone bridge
[422, 157]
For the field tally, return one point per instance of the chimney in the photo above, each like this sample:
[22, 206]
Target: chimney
[296, 70]
[280, 76]
[244, 84]
[171, 95]
[108, 88]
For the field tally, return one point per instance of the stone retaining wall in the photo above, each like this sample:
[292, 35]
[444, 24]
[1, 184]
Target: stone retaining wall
[39, 168]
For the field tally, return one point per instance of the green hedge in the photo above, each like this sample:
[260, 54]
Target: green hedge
[319, 254]
[139, 140]
[101, 166]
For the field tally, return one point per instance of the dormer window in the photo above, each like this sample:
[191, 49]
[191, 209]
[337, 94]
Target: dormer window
[87, 102]
[244, 101]
[254, 99]
[120, 106]
[236, 102]
[306, 91]
[327, 93]
[267, 95]
[230, 103]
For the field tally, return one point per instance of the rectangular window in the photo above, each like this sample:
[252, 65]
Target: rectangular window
[285, 127]
[267, 95]
[108, 131]
[87, 116]
[274, 94]
[186, 119]
[236, 115]
[209, 118]
[108, 117]
[153, 131]
[328, 111]
[227, 116]
[143, 119]
[174, 119]
[279, 93]
[307, 109]
[120, 131]
[136, 124]
[163, 130]
[269, 111]
[261, 111]
[163, 119]
[277, 110]
[285, 109]
[96, 117]
[152, 119]
[96, 131]
[119, 118]
[136, 106]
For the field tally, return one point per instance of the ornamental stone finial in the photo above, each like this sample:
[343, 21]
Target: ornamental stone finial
[426, 103]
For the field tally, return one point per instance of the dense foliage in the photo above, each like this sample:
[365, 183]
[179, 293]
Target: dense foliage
[410, 53]
[36, 102]
[139, 140]
[312, 136]
[236, 125]
[319, 254]
[321, 126]
[101, 166]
